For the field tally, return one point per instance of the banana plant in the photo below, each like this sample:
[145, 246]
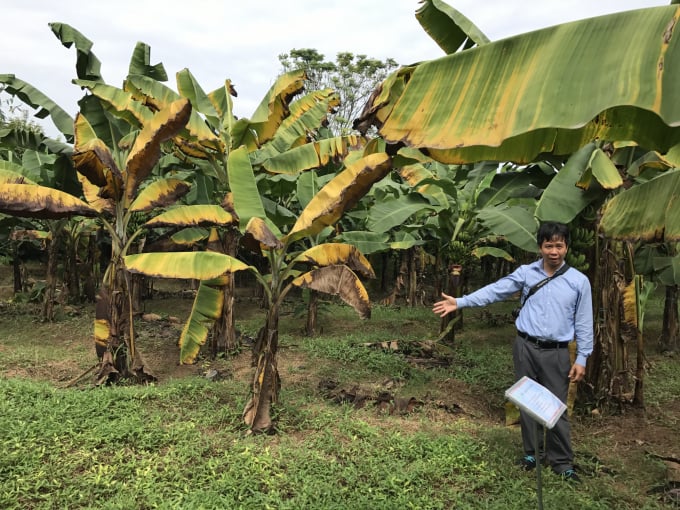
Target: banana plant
[328, 267]
[281, 137]
[114, 196]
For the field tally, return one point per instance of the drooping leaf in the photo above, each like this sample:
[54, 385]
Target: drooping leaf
[330, 254]
[88, 66]
[36, 99]
[339, 281]
[600, 170]
[649, 211]
[492, 251]
[91, 193]
[259, 230]
[93, 159]
[206, 309]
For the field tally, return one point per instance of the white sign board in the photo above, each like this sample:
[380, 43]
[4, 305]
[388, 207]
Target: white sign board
[537, 401]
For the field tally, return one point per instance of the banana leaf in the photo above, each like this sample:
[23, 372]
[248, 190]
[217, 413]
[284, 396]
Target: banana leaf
[554, 90]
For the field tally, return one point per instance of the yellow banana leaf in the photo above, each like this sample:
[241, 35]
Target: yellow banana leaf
[160, 193]
[631, 311]
[612, 77]
[340, 194]
[32, 201]
[146, 151]
[102, 333]
[330, 254]
[192, 216]
[339, 281]
[184, 265]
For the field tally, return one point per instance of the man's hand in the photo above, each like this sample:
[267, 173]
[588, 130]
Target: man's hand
[577, 373]
[445, 306]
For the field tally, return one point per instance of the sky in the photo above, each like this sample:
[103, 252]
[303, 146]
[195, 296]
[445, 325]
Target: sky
[241, 41]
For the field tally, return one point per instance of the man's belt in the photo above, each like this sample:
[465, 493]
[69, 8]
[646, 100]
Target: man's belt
[543, 344]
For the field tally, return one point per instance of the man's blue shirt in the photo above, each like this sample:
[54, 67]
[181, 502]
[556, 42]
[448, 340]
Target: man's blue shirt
[561, 310]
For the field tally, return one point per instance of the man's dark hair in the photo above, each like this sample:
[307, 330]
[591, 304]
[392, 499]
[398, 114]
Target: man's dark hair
[552, 230]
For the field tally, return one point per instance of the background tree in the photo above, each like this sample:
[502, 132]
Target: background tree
[353, 77]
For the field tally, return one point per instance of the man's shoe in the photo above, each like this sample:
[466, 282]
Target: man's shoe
[528, 462]
[570, 476]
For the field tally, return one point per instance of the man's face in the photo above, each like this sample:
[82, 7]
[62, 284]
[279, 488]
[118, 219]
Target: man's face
[553, 253]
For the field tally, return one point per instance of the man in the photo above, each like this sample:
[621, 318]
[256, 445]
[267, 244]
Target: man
[557, 313]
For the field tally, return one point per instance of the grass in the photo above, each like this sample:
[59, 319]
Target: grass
[181, 443]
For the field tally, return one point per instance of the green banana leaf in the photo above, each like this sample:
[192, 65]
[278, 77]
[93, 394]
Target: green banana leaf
[562, 200]
[247, 200]
[515, 223]
[140, 63]
[366, 242]
[88, 66]
[206, 310]
[387, 214]
[36, 99]
[492, 251]
[448, 27]
[188, 87]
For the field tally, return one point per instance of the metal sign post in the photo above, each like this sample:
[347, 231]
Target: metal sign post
[539, 481]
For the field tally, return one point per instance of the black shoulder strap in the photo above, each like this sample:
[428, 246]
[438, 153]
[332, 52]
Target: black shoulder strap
[540, 284]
